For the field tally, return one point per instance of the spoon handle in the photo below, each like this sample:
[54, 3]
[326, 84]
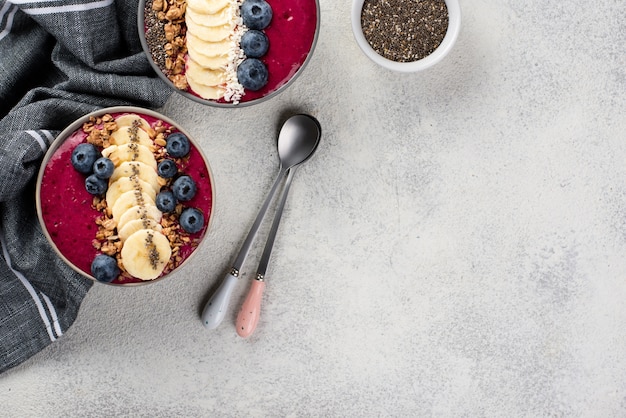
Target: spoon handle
[248, 316]
[215, 309]
[250, 312]
[269, 244]
[245, 247]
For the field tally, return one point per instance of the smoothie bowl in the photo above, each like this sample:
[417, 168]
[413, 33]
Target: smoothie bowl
[125, 196]
[228, 53]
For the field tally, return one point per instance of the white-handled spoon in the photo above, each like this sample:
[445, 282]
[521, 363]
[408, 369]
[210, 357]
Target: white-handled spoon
[297, 139]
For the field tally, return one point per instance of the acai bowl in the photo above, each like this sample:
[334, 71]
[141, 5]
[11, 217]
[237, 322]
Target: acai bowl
[125, 196]
[228, 53]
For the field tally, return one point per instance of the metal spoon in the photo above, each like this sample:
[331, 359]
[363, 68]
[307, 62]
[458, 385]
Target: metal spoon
[248, 316]
[297, 140]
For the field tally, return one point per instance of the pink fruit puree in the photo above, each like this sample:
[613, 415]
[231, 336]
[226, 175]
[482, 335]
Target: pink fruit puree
[67, 209]
[291, 34]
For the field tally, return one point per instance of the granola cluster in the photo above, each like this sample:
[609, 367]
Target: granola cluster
[166, 37]
[106, 239]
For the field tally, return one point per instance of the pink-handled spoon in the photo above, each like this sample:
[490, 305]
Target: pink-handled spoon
[250, 311]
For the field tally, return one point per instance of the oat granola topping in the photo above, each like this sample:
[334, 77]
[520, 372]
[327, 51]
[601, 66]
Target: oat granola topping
[106, 239]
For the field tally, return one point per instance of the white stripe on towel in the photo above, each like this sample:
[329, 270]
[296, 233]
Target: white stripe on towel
[7, 28]
[29, 287]
[33, 1]
[53, 314]
[48, 135]
[39, 138]
[67, 8]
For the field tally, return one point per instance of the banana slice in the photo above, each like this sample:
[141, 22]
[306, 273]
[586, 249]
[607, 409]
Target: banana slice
[139, 212]
[206, 92]
[137, 224]
[128, 200]
[125, 135]
[139, 169]
[207, 6]
[129, 120]
[209, 49]
[207, 33]
[126, 184]
[221, 17]
[130, 152]
[218, 62]
[206, 76]
[145, 254]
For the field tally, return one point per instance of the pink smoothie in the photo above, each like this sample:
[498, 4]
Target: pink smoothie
[291, 34]
[67, 209]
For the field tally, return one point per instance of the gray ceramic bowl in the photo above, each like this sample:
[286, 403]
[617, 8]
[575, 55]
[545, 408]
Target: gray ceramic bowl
[65, 209]
[292, 35]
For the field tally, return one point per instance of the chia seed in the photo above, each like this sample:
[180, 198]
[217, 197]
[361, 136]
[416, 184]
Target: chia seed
[155, 35]
[404, 30]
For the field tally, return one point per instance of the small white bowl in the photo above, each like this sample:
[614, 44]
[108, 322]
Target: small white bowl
[454, 26]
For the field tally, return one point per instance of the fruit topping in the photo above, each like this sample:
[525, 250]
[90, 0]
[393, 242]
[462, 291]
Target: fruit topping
[83, 158]
[104, 268]
[129, 200]
[141, 213]
[126, 184]
[130, 151]
[177, 145]
[146, 253]
[254, 43]
[184, 188]
[191, 220]
[256, 14]
[252, 74]
[103, 168]
[138, 169]
[167, 168]
[166, 201]
[96, 185]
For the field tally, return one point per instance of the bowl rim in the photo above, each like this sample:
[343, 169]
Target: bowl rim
[73, 127]
[281, 88]
[454, 26]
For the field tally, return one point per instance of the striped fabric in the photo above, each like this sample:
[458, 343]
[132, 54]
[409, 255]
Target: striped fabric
[60, 60]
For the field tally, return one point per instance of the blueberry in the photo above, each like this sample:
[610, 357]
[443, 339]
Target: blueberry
[166, 201]
[191, 220]
[252, 74]
[83, 157]
[104, 268]
[184, 188]
[177, 145]
[103, 168]
[95, 185]
[167, 169]
[256, 14]
[254, 43]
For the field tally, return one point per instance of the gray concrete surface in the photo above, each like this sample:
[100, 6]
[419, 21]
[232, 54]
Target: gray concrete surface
[457, 246]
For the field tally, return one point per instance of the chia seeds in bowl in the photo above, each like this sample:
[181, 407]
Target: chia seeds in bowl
[122, 226]
[197, 48]
[405, 36]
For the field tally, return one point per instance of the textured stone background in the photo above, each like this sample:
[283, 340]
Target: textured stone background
[457, 246]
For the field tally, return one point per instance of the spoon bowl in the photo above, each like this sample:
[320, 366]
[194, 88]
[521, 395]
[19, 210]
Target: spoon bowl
[297, 140]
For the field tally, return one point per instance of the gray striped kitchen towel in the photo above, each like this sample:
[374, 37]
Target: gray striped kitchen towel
[59, 59]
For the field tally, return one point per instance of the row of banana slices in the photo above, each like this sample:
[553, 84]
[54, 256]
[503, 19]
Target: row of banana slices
[212, 45]
[131, 198]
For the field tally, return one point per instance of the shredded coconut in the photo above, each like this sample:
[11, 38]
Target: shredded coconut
[234, 90]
